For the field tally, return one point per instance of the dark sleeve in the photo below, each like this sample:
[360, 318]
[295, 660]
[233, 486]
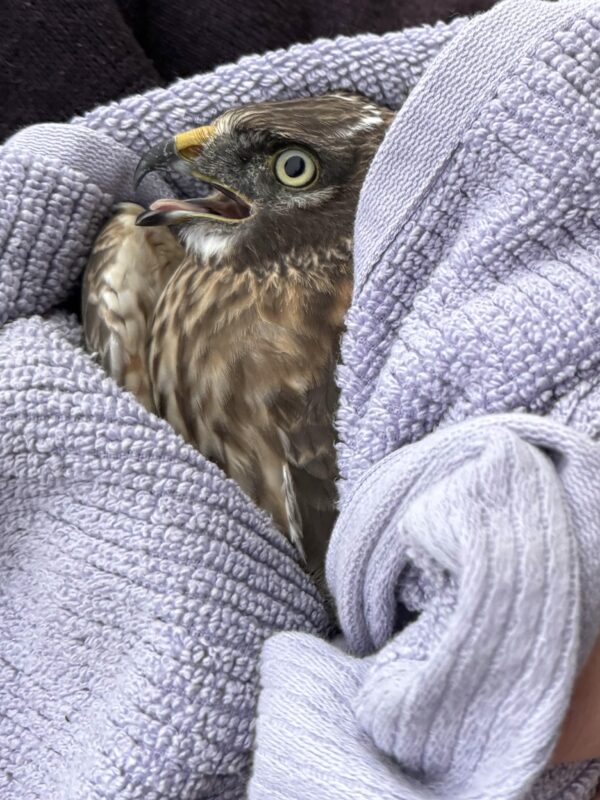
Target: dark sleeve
[63, 57]
[188, 36]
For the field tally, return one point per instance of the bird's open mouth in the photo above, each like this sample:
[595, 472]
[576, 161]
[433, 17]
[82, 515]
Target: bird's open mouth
[222, 205]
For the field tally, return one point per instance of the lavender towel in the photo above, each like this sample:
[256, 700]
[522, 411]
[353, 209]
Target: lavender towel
[477, 293]
[138, 585]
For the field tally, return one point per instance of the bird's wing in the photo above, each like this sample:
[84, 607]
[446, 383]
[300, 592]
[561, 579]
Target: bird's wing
[126, 272]
[306, 430]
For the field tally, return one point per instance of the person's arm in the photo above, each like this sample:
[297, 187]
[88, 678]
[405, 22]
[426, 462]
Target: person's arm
[580, 736]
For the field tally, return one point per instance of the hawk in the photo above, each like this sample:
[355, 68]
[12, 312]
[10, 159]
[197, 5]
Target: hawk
[223, 313]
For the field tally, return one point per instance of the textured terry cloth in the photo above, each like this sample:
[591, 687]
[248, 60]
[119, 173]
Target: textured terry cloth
[137, 584]
[477, 293]
[489, 529]
[63, 57]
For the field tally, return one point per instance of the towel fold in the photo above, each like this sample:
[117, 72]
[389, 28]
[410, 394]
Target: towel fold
[487, 532]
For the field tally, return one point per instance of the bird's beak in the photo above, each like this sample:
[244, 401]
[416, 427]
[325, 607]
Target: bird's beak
[225, 205]
[180, 149]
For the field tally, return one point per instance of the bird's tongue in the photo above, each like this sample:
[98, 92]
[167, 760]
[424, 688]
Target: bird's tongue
[174, 205]
[173, 212]
[216, 203]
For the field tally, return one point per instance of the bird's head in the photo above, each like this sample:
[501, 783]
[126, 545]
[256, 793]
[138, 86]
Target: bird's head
[282, 174]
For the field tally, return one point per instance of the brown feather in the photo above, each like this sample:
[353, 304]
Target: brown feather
[126, 272]
[250, 383]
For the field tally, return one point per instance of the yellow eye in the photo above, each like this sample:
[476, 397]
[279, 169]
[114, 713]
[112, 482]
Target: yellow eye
[295, 168]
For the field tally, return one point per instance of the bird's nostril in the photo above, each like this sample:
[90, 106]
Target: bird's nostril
[190, 153]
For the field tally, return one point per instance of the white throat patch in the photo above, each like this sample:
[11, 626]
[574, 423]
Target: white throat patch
[208, 246]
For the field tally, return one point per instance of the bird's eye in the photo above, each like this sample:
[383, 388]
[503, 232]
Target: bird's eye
[295, 168]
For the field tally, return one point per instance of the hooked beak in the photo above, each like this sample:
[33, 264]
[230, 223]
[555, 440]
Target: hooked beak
[224, 205]
[181, 148]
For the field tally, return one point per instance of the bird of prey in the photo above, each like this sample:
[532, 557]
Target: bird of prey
[223, 313]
